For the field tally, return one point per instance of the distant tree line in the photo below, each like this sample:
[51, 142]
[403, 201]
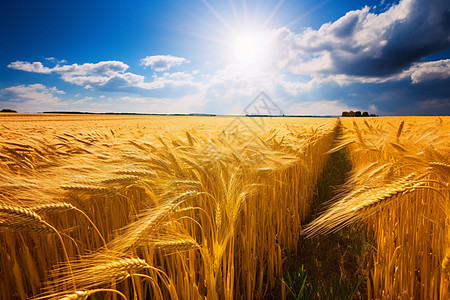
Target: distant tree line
[357, 114]
[7, 110]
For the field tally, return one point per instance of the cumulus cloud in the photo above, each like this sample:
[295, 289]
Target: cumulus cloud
[32, 97]
[39, 98]
[365, 44]
[84, 100]
[103, 67]
[35, 67]
[106, 75]
[177, 79]
[433, 70]
[162, 62]
[30, 92]
[88, 74]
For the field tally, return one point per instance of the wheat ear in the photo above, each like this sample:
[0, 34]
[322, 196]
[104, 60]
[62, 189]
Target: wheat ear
[101, 269]
[26, 219]
[22, 213]
[360, 204]
[446, 262]
[80, 295]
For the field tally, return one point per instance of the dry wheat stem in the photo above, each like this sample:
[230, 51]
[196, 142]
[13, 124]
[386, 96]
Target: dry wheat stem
[62, 206]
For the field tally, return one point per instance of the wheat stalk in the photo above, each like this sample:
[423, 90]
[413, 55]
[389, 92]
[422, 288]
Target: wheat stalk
[399, 131]
[398, 147]
[78, 295]
[137, 145]
[63, 206]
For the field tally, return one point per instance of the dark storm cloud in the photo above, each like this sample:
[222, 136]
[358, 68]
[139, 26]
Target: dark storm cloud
[362, 43]
[393, 98]
[424, 32]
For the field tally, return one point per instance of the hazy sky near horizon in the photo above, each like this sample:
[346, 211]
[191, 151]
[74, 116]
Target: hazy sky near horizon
[310, 57]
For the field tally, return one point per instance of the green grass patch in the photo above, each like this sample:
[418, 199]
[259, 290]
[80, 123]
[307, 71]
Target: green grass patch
[332, 266]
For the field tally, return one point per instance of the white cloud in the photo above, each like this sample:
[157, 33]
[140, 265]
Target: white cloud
[31, 90]
[162, 62]
[433, 70]
[33, 97]
[96, 75]
[88, 74]
[177, 76]
[373, 108]
[106, 75]
[83, 100]
[103, 67]
[35, 67]
[52, 59]
[39, 98]
[363, 44]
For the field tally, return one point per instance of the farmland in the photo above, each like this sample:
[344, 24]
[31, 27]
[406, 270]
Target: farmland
[178, 207]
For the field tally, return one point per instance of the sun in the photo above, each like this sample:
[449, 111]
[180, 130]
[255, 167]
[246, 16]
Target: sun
[248, 48]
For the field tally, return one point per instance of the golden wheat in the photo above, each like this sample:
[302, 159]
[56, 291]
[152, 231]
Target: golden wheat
[185, 208]
[384, 160]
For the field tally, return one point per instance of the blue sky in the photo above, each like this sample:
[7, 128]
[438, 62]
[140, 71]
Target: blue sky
[310, 57]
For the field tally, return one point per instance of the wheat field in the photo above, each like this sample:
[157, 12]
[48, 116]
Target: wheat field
[183, 207]
[399, 188]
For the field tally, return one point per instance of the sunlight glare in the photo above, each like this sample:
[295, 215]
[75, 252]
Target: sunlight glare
[249, 48]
